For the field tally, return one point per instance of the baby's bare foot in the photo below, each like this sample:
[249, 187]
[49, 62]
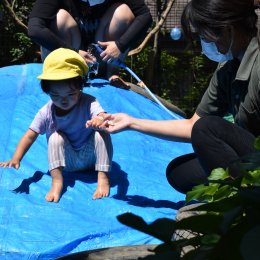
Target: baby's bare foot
[56, 187]
[103, 186]
[54, 194]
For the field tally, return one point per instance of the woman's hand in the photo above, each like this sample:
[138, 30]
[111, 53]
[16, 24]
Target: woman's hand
[111, 51]
[114, 123]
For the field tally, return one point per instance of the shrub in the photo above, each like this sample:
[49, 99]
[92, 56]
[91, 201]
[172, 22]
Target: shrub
[228, 226]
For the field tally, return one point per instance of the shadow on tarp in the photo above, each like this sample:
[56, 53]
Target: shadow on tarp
[118, 178]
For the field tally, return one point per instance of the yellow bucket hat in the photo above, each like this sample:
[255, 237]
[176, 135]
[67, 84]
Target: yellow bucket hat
[63, 64]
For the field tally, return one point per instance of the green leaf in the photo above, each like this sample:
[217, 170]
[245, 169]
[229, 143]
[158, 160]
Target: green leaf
[202, 192]
[224, 192]
[212, 189]
[218, 174]
[251, 178]
[196, 193]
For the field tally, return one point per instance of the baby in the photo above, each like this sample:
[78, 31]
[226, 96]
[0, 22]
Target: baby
[72, 144]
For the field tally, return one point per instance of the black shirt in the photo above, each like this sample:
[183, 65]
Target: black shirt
[235, 89]
[44, 12]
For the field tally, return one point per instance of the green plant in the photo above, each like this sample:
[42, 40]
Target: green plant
[183, 76]
[16, 47]
[23, 43]
[197, 68]
[168, 74]
[228, 223]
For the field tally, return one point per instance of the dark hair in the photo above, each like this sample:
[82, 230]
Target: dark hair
[77, 82]
[208, 18]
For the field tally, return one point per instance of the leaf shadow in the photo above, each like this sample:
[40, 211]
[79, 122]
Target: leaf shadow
[144, 202]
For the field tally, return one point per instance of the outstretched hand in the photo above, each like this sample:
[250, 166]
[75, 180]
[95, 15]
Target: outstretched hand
[112, 123]
[11, 163]
[95, 122]
[111, 51]
[116, 122]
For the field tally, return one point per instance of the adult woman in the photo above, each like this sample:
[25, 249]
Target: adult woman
[74, 24]
[229, 28]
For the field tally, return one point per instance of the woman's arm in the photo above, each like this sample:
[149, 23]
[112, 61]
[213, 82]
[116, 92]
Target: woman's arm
[42, 35]
[179, 130]
[42, 14]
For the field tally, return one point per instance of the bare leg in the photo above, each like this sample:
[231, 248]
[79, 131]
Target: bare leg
[56, 187]
[103, 186]
[66, 28]
[113, 24]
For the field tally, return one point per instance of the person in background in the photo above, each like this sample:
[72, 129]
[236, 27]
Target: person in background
[71, 146]
[228, 35]
[115, 25]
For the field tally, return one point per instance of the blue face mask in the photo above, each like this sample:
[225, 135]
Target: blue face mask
[210, 50]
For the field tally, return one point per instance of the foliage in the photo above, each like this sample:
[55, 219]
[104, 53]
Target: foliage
[228, 223]
[138, 64]
[16, 46]
[168, 74]
[23, 43]
[197, 66]
[183, 77]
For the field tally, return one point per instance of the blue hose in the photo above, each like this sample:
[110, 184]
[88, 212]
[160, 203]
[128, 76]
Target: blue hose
[123, 66]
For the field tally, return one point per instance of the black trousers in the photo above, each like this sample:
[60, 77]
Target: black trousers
[217, 143]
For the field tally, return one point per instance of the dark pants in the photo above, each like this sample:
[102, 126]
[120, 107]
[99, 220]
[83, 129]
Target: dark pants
[217, 143]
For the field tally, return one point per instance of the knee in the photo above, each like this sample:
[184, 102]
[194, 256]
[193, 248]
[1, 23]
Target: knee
[176, 173]
[56, 139]
[62, 15]
[204, 128]
[185, 172]
[123, 14]
[174, 183]
[65, 20]
[98, 136]
[102, 137]
[174, 179]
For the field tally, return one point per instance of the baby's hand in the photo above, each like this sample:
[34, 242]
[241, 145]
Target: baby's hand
[11, 163]
[95, 122]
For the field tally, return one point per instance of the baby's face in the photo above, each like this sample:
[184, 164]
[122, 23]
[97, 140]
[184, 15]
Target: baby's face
[63, 94]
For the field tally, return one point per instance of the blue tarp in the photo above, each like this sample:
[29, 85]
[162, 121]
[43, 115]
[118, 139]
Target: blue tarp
[32, 228]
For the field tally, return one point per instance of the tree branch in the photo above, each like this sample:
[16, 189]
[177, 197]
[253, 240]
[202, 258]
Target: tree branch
[154, 30]
[10, 10]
